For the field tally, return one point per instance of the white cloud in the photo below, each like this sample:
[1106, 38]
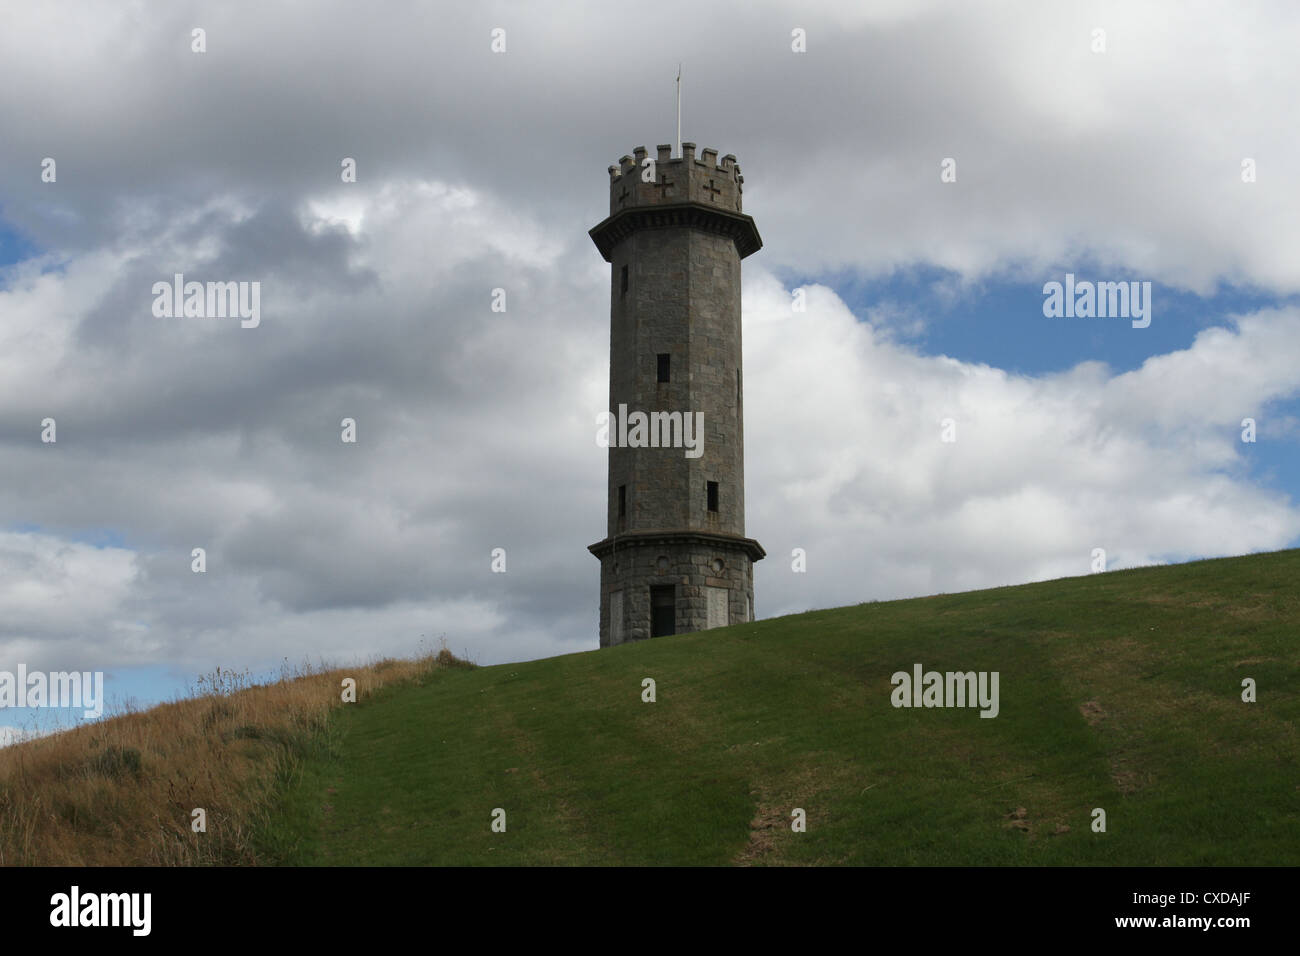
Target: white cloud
[51, 585]
[844, 457]
[477, 428]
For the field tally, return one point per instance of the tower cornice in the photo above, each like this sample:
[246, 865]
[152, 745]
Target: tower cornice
[683, 537]
[735, 226]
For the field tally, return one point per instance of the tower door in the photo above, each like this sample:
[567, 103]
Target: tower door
[615, 617]
[663, 611]
[716, 609]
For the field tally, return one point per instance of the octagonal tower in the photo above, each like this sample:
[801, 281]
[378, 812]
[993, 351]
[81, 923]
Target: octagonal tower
[675, 557]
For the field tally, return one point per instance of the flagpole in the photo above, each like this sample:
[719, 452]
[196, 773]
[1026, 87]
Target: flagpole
[679, 111]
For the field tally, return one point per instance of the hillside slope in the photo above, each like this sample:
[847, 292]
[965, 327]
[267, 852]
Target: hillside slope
[1120, 691]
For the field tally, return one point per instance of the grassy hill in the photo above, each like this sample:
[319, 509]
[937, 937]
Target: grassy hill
[124, 791]
[1120, 691]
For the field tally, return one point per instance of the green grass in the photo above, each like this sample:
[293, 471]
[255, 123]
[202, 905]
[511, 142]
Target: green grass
[754, 720]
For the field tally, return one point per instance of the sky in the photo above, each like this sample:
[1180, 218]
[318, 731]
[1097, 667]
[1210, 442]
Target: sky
[919, 171]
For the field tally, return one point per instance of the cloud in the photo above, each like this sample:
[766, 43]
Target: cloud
[845, 457]
[476, 429]
[51, 588]
[1130, 157]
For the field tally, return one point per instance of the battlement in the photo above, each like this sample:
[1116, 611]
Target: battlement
[686, 179]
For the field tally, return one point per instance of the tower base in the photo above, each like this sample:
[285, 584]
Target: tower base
[654, 583]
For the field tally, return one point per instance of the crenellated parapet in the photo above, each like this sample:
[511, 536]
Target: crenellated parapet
[639, 181]
[702, 192]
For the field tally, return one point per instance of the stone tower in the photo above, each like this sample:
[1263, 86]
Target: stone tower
[675, 557]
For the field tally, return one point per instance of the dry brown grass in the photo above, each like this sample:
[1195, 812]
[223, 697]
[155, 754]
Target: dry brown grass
[120, 792]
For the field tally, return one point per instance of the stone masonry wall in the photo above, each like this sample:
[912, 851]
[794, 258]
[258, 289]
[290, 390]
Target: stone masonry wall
[683, 299]
[637, 567]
